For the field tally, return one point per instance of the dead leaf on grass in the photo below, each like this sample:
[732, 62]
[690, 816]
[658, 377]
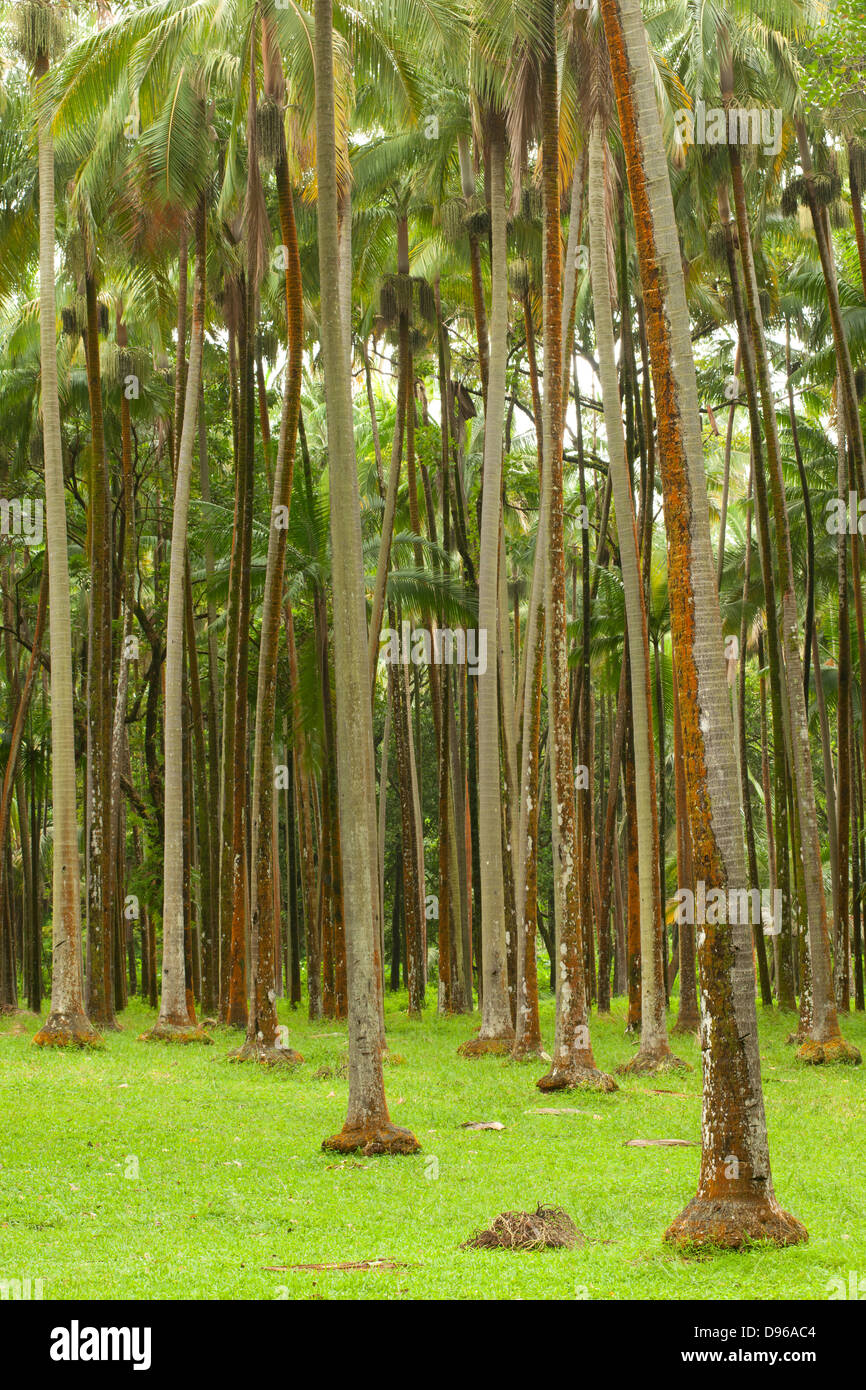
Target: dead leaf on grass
[660, 1144]
[342, 1266]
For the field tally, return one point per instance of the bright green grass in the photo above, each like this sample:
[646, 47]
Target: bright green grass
[232, 1177]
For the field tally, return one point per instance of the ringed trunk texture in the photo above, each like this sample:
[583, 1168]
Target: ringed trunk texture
[368, 1125]
[67, 1024]
[654, 1053]
[496, 1027]
[262, 1041]
[735, 1202]
[573, 1062]
[176, 1019]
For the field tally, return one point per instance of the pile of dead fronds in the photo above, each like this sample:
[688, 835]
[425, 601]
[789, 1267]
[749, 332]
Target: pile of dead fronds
[546, 1228]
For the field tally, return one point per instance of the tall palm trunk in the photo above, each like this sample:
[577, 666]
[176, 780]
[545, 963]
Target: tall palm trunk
[573, 1062]
[300, 758]
[67, 1022]
[261, 1039]
[496, 1026]
[527, 1038]
[742, 756]
[825, 1043]
[654, 1053]
[20, 702]
[211, 983]
[368, 1125]
[100, 1005]
[784, 947]
[688, 1017]
[841, 942]
[174, 1021]
[116, 883]
[844, 365]
[467, 183]
[735, 1201]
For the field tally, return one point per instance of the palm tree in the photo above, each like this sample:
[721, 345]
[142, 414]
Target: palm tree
[368, 1125]
[40, 34]
[735, 1202]
[654, 1053]
[261, 1040]
[497, 1029]
[825, 1043]
[573, 1063]
[175, 1021]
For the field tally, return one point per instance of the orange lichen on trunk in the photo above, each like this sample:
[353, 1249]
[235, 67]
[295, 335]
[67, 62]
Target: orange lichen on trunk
[734, 1204]
[68, 1030]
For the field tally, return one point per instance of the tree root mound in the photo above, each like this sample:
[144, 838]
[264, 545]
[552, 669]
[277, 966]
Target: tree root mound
[266, 1054]
[546, 1228]
[734, 1224]
[575, 1076]
[837, 1050]
[485, 1047]
[652, 1064]
[68, 1030]
[372, 1139]
[684, 1026]
[176, 1033]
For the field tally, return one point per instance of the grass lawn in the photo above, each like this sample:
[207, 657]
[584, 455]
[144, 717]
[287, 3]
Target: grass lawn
[156, 1171]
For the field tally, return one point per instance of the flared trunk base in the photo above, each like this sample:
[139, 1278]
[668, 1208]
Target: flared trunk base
[376, 1138]
[267, 1054]
[837, 1050]
[690, 1023]
[653, 1061]
[164, 1031]
[487, 1047]
[734, 1224]
[107, 1025]
[576, 1076]
[527, 1048]
[68, 1030]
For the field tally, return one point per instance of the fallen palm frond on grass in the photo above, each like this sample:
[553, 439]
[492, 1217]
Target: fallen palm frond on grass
[546, 1228]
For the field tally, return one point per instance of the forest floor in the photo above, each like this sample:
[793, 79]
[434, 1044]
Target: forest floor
[157, 1171]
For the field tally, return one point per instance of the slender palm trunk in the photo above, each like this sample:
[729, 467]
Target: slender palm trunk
[573, 1062]
[496, 1026]
[21, 704]
[174, 1021]
[100, 1005]
[785, 979]
[825, 1043]
[67, 1022]
[735, 1201]
[305, 829]
[654, 1053]
[368, 1125]
[261, 1040]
